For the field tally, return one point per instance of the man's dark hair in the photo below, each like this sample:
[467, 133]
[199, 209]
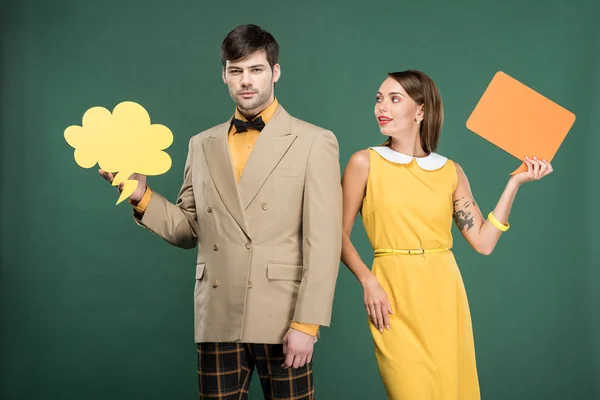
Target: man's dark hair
[247, 39]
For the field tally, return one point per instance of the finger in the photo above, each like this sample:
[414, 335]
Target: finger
[386, 318]
[390, 308]
[531, 170]
[104, 174]
[543, 168]
[379, 318]
[536, 168]
[304, 361]
[529, 165]
[284, 344]
[309, 358]
[371, 313]
[374, 315]
[289, 360]
[299, 361]
[548, 167]
[531, 162]
[385, 313]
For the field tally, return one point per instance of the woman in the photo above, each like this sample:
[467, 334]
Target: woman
[408, 196]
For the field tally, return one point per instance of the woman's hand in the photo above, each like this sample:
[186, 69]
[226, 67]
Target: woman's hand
[536, 169]
[377, 303]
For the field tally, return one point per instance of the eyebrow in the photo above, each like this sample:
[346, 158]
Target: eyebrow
[393, 93]
[252, 66]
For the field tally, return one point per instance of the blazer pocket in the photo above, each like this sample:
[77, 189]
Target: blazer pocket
[200, 270]
[285, 272]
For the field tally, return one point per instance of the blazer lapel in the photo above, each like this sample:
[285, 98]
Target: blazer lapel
[219, 162]
[272, 144]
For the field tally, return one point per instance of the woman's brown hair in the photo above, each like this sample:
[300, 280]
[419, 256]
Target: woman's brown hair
[423, 90]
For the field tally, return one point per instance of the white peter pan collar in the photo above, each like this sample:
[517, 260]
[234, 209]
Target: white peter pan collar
[430, 163]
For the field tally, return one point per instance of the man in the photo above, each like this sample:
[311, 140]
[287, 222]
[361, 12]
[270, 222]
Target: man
[261, 199]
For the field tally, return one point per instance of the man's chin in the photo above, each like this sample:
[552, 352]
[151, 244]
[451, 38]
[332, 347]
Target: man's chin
[247, 105]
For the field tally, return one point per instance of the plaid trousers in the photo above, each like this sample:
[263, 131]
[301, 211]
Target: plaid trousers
[225, 370]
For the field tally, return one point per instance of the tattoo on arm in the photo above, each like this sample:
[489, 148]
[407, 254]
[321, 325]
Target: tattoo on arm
[462, 215]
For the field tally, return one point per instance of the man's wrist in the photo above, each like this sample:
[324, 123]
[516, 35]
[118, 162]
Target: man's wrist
[140, 205]
[309, 329]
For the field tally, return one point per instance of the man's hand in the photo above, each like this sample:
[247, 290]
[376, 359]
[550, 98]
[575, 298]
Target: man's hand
[139, 191]
[298, 348]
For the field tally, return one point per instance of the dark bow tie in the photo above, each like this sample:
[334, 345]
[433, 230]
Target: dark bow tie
[243, 126]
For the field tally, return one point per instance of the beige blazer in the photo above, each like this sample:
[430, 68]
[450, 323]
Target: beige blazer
[268, 247]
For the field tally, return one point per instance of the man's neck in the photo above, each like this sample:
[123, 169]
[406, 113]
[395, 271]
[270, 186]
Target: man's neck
[251, 114]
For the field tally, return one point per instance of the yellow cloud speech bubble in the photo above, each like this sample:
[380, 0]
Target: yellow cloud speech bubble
[124, 142]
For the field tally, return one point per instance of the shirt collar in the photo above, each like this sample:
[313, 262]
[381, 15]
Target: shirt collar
[430, 163]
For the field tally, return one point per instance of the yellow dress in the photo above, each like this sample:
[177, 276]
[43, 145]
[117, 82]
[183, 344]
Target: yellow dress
[428, 353]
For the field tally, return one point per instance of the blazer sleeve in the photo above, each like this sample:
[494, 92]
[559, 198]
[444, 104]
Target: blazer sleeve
[176, 223]
[322, 232]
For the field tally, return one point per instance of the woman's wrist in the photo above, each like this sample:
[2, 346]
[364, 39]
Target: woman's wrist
[513, 184]
[366, 277]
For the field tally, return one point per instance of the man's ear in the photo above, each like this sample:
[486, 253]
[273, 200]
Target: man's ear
[276, 72]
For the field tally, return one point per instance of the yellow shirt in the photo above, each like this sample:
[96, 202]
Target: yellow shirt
[240, 147]
[241, 144]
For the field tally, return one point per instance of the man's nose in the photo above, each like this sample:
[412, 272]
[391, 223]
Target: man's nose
[246, 79]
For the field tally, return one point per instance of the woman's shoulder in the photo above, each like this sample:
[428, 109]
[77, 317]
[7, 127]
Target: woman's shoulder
[360, 159]
[358, 166]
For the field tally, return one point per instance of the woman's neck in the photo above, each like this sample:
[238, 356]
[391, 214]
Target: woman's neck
[409, 144]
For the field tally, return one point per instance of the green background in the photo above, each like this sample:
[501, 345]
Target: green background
[94, 307]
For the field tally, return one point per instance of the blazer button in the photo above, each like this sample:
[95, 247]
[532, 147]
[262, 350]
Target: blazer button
[249, 285]
[216, 247]
[248, 245]
[265, 206]
[215, 283]
[209, 209]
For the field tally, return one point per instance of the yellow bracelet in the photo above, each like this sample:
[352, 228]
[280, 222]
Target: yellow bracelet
[497, 223]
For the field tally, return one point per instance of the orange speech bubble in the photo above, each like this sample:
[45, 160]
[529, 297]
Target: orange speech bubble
[519, 120]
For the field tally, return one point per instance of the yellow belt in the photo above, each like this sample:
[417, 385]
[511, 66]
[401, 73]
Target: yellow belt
[409, 252]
